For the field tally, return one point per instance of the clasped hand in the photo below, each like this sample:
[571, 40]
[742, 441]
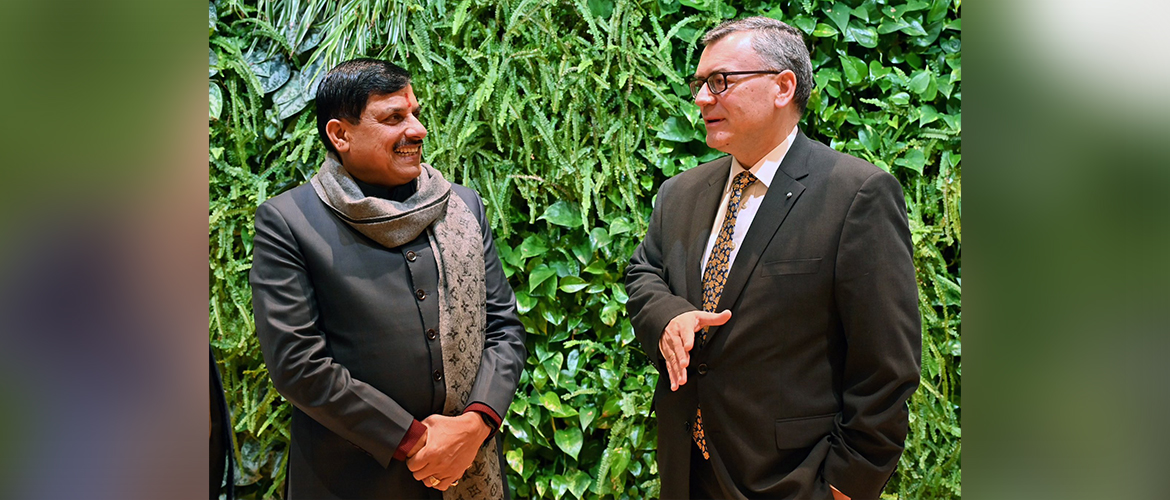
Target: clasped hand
[447, 448]
[679, 338]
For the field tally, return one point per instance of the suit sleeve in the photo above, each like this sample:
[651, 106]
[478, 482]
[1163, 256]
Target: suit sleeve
[301, 368]
[503, 346]
[877, 299]
[651, 303]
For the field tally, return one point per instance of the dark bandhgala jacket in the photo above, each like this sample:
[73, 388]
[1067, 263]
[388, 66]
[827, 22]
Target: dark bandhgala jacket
[807, 384]
[348, 329]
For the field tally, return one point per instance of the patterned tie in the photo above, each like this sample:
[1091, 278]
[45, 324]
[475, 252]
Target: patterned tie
[715, 275]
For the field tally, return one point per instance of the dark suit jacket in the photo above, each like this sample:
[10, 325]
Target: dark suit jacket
[345, 338]
[809, 379]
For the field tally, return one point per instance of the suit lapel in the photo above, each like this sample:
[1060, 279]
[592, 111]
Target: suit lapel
[706, 207]
[771, 214]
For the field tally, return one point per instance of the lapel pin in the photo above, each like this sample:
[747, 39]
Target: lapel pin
[789, 195]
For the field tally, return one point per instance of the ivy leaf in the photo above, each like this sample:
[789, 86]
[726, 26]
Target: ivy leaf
[621, 459]
[532, 246]
[914, 160]
[609, 312]
[864, 35]
[676, 130]
[901, 99]
[579, 481]
[823, 30]
[806, 24]
[214, 101]
[599, 238]
[854, 68]
[563, 213]
[928, 115]
[586, 416]
[558, 484]
[572, 284]
[919, 82]
[515, 458]
[539, 275]
[569, 441]
[620, 225]
[839, 13]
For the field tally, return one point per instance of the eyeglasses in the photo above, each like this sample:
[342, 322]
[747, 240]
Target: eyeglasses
[717, 82]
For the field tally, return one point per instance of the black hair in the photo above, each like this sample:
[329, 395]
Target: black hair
[346, 89]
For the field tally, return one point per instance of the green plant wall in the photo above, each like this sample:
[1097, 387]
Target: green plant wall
[566, 116]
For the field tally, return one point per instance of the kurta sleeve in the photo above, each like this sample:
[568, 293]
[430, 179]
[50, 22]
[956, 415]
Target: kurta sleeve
[294, 349]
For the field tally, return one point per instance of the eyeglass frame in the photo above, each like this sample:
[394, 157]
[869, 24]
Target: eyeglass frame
[710, 88]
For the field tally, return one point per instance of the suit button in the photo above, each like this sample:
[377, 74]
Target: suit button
[702, 368]
[411, 256]
[432, 334]
[420, 294]
[438, 375]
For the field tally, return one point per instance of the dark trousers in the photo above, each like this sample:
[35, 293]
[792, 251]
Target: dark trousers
[704, 484]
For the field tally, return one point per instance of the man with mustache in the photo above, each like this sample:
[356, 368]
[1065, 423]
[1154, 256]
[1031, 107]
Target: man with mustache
[775, 293]
[382, 311]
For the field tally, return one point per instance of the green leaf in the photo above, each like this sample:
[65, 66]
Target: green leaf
[532, 246]
[563, 213]
[919, 82]
[601, 8]
[620, 225]
[839, 13]
[864, 35]
[806, 24]
[621, 459]
[609, 313]
[823, 30]
[515, 458]
[214, 101]
[586, 416]
[569, 441]
[579, 481]
[676, 130]
[599, 238]
[558, 484]
[928, 115]
[901, 99]
[539, 275]
[572, 284]
[914, 160]
[855, 69]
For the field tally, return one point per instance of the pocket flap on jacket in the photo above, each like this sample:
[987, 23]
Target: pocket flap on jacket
[801, 432]
[797, 266]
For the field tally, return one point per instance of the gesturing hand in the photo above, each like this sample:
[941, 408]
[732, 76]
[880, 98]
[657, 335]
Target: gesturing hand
[451, 445]
[679, 337]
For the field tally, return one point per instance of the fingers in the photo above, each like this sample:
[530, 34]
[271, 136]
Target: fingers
[706, 319]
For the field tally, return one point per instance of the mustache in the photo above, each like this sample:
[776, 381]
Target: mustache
[404, 143]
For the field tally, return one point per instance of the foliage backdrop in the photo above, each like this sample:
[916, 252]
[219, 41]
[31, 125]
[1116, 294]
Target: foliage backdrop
[566, 116]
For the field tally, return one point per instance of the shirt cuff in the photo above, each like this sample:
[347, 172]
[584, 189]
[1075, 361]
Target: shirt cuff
[416, 431]
[489, 416]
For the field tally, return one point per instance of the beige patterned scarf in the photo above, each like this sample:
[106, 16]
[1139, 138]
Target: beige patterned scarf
[458, 247]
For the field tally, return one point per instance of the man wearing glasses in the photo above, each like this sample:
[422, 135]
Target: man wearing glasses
[775, 293]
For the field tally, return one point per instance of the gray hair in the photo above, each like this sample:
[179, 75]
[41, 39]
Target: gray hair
[779, 44]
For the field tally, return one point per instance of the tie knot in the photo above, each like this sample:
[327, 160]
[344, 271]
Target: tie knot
[743, 180]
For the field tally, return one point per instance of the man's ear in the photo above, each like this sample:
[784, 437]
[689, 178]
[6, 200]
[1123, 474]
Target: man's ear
[787, 82]
[338, 135]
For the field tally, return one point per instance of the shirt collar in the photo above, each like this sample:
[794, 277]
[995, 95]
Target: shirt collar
[766, 168]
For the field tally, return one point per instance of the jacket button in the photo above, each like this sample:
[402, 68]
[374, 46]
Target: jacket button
[702, 368]
[420, 294]
[411, 256]
[432, 334]
[438, 375]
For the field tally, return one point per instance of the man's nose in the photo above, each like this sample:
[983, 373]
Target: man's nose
[704, 96]
[415, 130]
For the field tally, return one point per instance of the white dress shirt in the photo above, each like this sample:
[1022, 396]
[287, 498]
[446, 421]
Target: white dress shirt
[753, 196]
